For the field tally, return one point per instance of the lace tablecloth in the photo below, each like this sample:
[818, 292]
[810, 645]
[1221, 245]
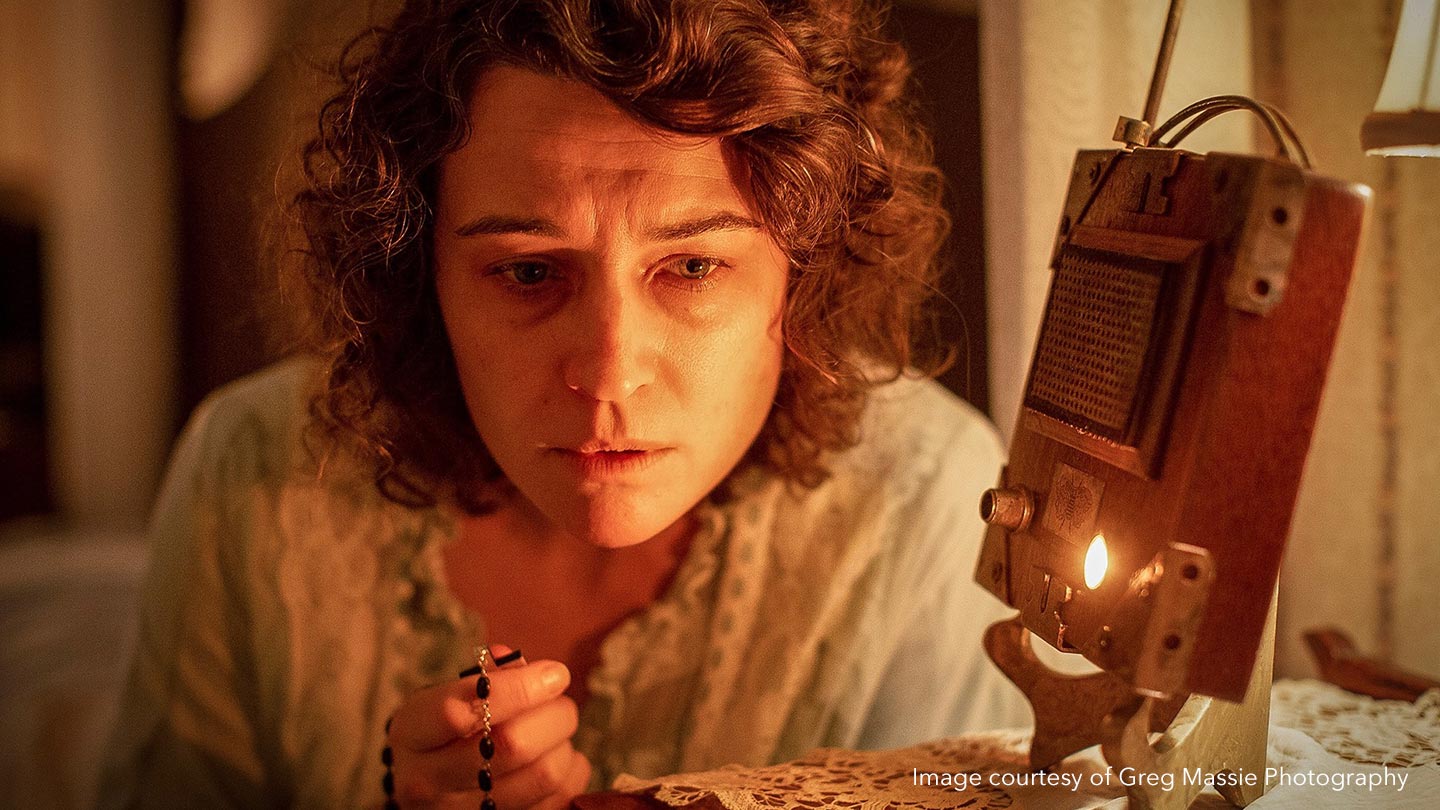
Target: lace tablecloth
[1327, 748]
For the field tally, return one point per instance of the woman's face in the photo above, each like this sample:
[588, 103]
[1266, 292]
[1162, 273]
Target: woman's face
[613, 305]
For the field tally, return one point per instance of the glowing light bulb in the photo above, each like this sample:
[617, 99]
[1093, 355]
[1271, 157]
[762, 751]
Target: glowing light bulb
[1097, 560]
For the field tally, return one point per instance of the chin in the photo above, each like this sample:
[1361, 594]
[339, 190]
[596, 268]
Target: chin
[615, 541]
[611, 537]
[616, 531]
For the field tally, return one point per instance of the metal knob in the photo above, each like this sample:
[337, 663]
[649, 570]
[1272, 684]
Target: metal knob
[1010, 507]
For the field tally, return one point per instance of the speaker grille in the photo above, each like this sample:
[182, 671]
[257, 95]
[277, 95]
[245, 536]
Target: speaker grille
[1091, 358]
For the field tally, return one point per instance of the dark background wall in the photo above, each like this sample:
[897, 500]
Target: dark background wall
[945, 49]
[23, 462]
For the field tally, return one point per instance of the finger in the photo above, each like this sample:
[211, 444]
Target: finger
[515, 690]
[434, 716]
[522, 740]
[466, 800]
[456, 765]
[575, 784]
[506, 657]
[500, 656]
[415, 784]
[550, 774]
[452, 767]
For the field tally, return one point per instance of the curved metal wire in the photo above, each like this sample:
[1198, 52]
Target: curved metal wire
[1282, 132]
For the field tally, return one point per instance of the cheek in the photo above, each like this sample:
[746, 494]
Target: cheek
[740, 361]
[487, 359]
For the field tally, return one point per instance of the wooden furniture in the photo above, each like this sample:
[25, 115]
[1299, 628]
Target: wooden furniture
[1343, 665]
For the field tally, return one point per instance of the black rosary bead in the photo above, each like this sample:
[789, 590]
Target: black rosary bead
[487, 747]
[488, 804]
[482, 687]
[388, 783]
[485, 780]
[387, 757]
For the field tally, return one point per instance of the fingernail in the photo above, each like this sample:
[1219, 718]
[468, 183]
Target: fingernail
[553, 674]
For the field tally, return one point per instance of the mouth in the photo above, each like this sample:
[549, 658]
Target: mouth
[612, 461]
[594, 446]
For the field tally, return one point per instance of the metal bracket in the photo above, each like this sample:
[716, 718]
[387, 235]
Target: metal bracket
[1266, 245]
[1160, 167]
[1222, 741]
[1181, 586]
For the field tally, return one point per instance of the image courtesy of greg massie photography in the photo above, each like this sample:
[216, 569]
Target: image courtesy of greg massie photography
[641, 404]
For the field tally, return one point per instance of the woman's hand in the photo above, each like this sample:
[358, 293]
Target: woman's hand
[434, 741]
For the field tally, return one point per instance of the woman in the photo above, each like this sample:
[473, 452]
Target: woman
[613, 307]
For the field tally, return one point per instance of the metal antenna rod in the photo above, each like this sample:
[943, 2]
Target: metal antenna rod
[1130, 131]
[1162, 62]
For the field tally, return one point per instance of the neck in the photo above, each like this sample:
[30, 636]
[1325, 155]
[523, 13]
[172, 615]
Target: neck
[657, 557]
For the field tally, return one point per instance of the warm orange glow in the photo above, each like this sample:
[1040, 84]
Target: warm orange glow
[1096, 561]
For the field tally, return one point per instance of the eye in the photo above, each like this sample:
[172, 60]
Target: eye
[524, 274]
[695, 268]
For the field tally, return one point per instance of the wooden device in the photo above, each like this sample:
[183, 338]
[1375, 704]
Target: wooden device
[1163, 432]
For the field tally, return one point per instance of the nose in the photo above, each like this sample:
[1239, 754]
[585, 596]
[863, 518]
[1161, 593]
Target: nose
[614, 339]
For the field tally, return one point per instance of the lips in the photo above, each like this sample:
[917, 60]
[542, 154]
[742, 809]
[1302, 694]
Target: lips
[599, 457]
[613, 446]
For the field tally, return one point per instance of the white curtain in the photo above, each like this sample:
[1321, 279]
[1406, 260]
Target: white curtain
[1365, 545]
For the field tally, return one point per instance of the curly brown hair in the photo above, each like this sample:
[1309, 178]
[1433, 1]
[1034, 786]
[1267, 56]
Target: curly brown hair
[810, 94]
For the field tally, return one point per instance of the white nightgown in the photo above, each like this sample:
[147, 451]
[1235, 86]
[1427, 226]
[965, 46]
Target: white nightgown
[285, 615]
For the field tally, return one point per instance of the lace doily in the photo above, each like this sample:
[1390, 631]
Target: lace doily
[1358, 728]
[1351, 735]
[976, 772]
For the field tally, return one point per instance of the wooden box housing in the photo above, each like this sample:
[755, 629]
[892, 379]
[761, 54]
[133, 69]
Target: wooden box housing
[1192, 311]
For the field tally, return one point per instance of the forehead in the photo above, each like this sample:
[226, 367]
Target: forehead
[537, 136]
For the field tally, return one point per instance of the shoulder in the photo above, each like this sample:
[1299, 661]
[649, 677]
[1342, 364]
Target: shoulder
[251, 428]
[924, 458]
[272, 402]
[273, 391]
[918, 440]
[876, 565]
[918, 416]
[903, 501]
[244, 444]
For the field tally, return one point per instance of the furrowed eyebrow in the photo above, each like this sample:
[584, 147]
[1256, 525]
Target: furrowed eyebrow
[494, 224]
[722, 221]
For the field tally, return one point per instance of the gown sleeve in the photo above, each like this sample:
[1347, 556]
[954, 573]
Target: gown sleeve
[186, 733]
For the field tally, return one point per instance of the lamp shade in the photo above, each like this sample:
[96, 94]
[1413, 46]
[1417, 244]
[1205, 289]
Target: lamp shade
[1406, 120]
[225, 47]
